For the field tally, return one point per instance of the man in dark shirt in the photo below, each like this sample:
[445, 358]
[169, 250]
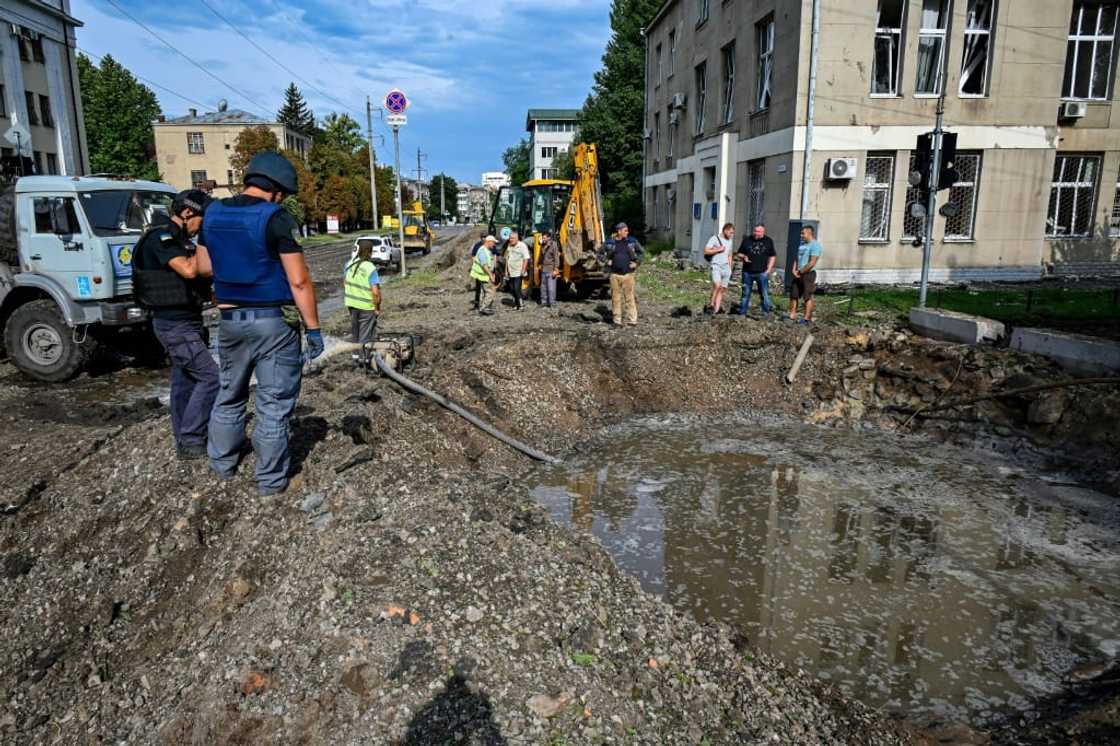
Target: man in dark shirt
[168, 281]
[624, 255]
[758, 256]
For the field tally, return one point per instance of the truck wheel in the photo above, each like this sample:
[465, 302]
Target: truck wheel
[9, 245]
[42, 345]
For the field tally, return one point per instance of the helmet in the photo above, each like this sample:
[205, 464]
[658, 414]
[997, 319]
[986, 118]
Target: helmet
[275, 168]
[195, 199]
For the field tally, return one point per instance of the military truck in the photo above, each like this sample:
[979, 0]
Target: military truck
[66, 268]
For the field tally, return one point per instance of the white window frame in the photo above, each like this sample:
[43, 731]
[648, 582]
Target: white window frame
[764, 41]
[703, 11]
[877, 187]
[1076, 40]
[195, 182]
[196, 143]
[897, 36]
[700, 78]
[728, 98]
[1114, 219]
[974, 33]
[937, 34]
[549, 151]
[1078, 183]
[974, 197]
[672, 54]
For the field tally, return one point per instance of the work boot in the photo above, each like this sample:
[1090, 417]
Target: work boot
[191, 451]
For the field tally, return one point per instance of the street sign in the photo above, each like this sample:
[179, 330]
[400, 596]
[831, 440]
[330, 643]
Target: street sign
[395, 101]
[396, 120]
[332, 223]
[20, 138]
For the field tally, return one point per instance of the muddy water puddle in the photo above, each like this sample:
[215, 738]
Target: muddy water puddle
[926, 580]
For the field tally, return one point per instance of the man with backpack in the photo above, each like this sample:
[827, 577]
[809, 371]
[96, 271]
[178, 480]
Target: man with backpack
[718, 254]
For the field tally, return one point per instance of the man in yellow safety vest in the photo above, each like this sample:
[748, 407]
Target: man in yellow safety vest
[482, 272]
[362, 285]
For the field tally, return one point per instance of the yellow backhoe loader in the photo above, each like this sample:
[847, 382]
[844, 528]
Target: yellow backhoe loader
[571, 210]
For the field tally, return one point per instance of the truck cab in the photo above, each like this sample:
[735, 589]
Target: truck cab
[66, 248]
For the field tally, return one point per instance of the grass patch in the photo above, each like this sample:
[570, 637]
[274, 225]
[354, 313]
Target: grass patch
[664, 283]
[653, 248]
[419, 278]
[1020, 307]
[583, 659]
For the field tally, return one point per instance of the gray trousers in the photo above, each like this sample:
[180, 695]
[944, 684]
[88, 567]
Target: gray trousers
[548, 288]
[363, 331]
[270, 348]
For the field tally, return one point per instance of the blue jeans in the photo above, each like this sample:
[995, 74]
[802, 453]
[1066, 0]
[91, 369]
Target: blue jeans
[267, 346]
[194, 378]
[763, 280]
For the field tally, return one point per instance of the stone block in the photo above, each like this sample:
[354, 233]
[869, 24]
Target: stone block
[955, 327]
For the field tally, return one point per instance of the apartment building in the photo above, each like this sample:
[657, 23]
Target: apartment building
[474, 203]
[551, 132]
[1029, 92]
[195, 150]
[39, 90]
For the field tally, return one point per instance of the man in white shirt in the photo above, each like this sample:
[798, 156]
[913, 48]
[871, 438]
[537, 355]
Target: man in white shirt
[517, 267]
[718, 253]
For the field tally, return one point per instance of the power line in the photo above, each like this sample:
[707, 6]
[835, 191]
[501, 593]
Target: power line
[188, 99]
[172, 47]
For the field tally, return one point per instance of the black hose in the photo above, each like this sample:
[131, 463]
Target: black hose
[448, 404]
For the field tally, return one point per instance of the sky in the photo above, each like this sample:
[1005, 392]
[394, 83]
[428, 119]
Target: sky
[471, 68]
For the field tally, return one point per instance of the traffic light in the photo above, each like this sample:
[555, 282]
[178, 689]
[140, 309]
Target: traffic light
[923, 161]
[948, 176]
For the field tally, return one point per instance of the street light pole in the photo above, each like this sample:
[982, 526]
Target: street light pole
[442, 189]
[400, 209]
[372, 162]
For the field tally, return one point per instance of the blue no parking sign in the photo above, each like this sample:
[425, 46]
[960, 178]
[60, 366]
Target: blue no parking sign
[395, 101]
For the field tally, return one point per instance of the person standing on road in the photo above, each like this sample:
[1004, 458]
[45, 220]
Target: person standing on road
[263, 288]
[482, 271]
[517, 266]
[624, 255]
[168, 279]
[718, 253]
[805, 275]
[362, 287]
[758, 255]
[550, 270]
[477, 285]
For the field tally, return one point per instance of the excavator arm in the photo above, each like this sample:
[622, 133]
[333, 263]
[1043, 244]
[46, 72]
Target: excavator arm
[582, 231]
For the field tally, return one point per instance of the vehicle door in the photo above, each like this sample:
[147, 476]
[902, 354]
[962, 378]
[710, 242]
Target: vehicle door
[58, 246]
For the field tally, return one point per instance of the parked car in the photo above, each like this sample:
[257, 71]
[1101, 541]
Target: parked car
[384, 253]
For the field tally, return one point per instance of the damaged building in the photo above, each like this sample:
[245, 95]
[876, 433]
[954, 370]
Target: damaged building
[1030, 94]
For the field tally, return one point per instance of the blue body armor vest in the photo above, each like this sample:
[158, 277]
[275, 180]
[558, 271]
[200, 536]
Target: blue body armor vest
[244, 271]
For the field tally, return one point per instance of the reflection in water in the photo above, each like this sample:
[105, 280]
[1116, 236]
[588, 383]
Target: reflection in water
[930, 583]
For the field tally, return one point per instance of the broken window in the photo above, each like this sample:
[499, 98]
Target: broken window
[962, 195]
[765, 36]
[728, 83]
[701, 94]
[976, 61]
[756, 172]
[1089, 50]
[931, 46]
[1070, 214]
[875, 219]
[888, 46]
[1114, 219]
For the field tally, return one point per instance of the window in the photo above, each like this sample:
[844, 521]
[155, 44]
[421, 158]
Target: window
[728, 97]
[37, 50]
[976, 60]
[45, 111]
[52, 164]
[756, 185]
[1114, 219]
[1089, 51]
[3, 103]
[548, 152]
[888, 47]
[656, 138]
[37, 157]
[657, 58]
[703, 10]
[229, 177]
[24, 49]
[548, 173]
[701, 95]
[32, 116]
[765, 37]
[197, 177]
[672, 118]
[931, 47]
[963, 194]
[195, 143]
[875, 218]
[1070, 214]
[55, 215]
[913, 226]
[672, 53]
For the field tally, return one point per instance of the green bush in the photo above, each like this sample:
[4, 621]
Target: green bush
[653, 248]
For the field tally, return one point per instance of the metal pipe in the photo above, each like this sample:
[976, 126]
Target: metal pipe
[806, 171]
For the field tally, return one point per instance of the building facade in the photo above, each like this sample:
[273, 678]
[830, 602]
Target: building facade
[1030, 94]
[494, 179]
[195, 150]
[39, 90]
[474, 203]
[551, 132]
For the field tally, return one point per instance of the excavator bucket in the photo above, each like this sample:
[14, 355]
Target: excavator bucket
[582, 233]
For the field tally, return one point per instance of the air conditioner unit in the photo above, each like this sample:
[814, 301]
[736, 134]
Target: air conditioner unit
[841, 168]
[678, 101]
[1074, 109]
[674, 117]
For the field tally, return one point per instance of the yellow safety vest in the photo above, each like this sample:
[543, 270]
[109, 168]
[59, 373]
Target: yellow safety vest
[359, 294]
[482, 262]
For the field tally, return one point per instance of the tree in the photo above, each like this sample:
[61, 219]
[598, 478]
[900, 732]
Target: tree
[516, 160]
[386, 191]
[250, 141]
[450, 196]
[119, 111]
[564, 166]
[612, 115]
[308, 197]
[296, 113]
[342, 132]
[337, 198]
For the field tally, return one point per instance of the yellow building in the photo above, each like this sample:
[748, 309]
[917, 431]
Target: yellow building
[197, 148]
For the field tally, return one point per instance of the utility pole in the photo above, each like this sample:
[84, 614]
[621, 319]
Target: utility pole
[419, 177]
[400, 209]
[442, 212]
[372, 162]
[935, 167]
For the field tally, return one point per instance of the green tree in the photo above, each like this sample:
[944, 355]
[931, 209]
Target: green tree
[612, 115]
[450, 196]
[119, 111]
[386, 191]
[337, 198]
[250, 141]
[564, 165]
[342, 132]
[308, 197]
[296, 113]
[516, 160]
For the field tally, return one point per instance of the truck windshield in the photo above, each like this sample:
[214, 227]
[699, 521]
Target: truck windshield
[113, 212]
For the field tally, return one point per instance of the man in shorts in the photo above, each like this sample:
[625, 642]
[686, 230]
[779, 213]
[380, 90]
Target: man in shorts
[805, 275]
[718, 253]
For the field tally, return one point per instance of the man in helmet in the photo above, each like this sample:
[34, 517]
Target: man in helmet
[169, 280]
[263, 288]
